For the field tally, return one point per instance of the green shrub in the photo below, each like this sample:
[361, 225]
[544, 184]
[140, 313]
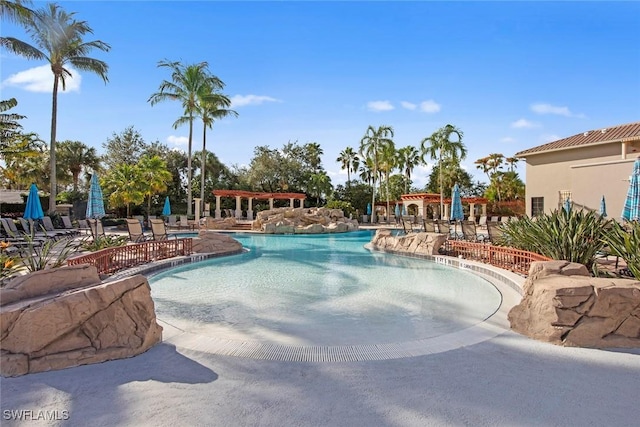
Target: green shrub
[103, 242]
[626, 245]
[48, 254]
[575, 236]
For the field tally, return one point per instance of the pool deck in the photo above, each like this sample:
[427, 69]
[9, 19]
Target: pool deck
[502, 378]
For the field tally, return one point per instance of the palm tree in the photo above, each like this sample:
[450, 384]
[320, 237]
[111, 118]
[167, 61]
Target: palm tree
[388, 160]
[511, 161]
[58, 40]
[210, 110]
[125, 186]
[74, 156]
[16, 11]
[371, 146]
[350, 161]
[408, 158]
[155, 177]
[188, 85]
[439, 146]
[320, 184]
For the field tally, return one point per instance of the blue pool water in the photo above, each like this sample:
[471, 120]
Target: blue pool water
[320, 290]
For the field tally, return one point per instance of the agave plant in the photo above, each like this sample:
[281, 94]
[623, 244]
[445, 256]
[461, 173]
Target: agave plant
[575, 236]
[626, 245]
[48, 254]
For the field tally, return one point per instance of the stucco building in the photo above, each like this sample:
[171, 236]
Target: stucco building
[583, 168]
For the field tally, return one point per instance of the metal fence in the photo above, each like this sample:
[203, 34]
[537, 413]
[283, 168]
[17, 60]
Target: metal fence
[110, 260]
[512, 259]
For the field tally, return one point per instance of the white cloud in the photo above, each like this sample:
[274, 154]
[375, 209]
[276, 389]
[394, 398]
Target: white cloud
[429, 106]
[379, 106]
[541, 108]
[507, 139]
[550, 138]
[408, 105]
[40, 79]
[242, 100]
[177, 140]
[523, 124]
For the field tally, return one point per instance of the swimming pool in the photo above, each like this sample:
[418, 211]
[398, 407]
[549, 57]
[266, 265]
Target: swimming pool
[320, 290]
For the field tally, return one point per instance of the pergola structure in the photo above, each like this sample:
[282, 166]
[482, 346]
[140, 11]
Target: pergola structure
[422, 200]
[250, 195]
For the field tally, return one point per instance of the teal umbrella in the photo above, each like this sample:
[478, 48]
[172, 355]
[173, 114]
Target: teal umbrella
[456, 205]
[397, 210]
[631, 209]
[404, 210]
[33, 210]
[567, 205]
[368, 208]
[95, 205]
[603, 207]
[166, 210]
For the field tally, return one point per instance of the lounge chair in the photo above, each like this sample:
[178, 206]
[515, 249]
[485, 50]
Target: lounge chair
[482, 222]
[66, 221]
[470, 233]
[16, 238]
[83, 225]
[48, 226]
[407, 225]
[30, 228]
[136, 233]
[495, 232]
[444, 227]
[159, 230]
[172, 222]
[184, 223]
[428, 225]
[95, 226]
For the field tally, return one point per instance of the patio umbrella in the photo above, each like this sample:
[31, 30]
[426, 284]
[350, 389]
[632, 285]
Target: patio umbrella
[603, 207]
[567, 205]
[368, 208]
[95, 205]
[456, 205]
[404, 209]
[397, 210]
[166, 210]
[631, 208]
[33, 210]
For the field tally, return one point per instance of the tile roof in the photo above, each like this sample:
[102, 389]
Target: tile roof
[630, 131]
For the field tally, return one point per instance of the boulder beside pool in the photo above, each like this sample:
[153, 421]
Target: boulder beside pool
[211, 242]
[89, 322]
[303, 221]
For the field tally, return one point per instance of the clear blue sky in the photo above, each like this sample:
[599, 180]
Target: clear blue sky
[510, 75]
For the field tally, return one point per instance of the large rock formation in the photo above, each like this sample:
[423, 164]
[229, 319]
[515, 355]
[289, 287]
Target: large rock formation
[42, 329]
[303, 221]
[211, 223]
[564, 305]
[215, 243]
[414, 243]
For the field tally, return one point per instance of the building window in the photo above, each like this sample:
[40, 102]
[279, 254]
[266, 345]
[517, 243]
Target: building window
[537, 206]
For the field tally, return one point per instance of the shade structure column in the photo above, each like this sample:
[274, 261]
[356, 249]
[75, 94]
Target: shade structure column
[218, 211]
[197, 201]
[301, 203]
[250, 210]
[446, 211]
[238, 207]
[270, 203]
[484, 209]
[291, 202]
[472, 210]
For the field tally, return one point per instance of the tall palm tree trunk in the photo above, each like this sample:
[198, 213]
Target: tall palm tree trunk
[52, 147]
[189, 198]
[204, 163]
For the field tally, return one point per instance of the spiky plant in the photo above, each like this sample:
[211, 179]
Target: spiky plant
[626, 245]
[575, 236]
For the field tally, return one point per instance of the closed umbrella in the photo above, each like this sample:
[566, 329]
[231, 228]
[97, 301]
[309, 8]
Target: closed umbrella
[631, 208]
[456, 205]
[368, 208]
[166, 210]
[397, 210]
[95, 205]
[603, 207]
[567, 205]
[404, 210]
[33, 210]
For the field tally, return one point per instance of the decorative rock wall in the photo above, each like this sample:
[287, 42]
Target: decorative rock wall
[303, 221]
[90, 322]
[219, 223]
[414, 243]
[564, 305]
[217, 243]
